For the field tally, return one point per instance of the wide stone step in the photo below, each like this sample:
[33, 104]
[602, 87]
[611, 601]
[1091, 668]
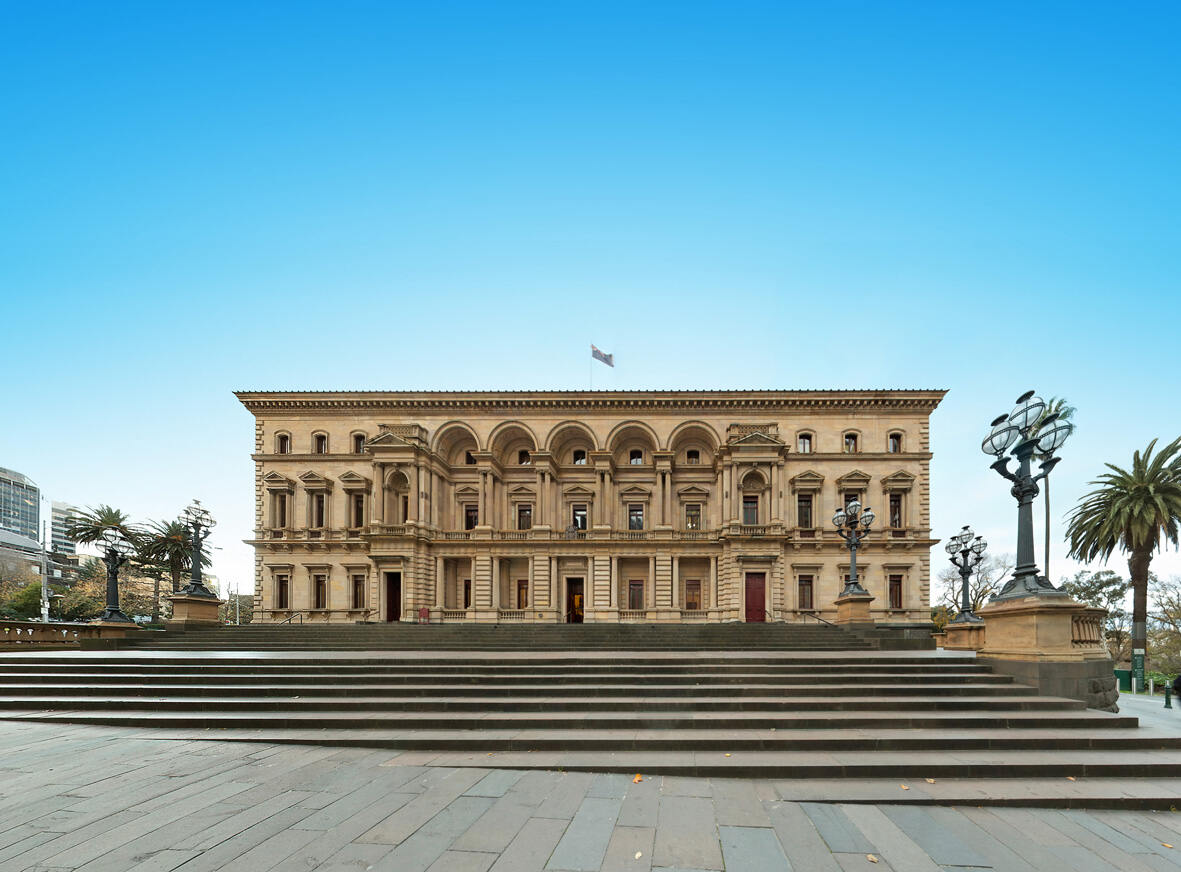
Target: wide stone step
[214, 698]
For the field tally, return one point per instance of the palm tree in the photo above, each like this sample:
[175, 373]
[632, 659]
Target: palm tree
[170, 543]
[1132, 511]
[90, 525]
[1061, 407]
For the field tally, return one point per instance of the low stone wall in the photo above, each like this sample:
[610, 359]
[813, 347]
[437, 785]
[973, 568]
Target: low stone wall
[17, 635]
[1091, 681]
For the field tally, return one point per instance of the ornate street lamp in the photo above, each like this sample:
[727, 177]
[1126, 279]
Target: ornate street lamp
[852, 523]
[970, 552]
[201, 522]
[116, 551]
[1015, 431]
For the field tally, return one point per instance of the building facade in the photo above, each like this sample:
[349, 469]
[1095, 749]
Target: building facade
[20, 505]
[586, 506]
[62, 514]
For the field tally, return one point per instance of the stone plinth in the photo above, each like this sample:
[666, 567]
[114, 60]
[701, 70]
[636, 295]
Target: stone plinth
[193, 611]
[854, 608]
[964, 637]
[1055, 644]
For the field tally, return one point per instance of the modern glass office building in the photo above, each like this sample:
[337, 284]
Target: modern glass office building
[20, 505]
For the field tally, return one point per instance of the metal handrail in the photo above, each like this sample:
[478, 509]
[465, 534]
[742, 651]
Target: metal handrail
[817, 617]
[292, 617]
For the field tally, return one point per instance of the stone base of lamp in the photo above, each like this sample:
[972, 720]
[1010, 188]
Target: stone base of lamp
[854, 608]
[1054, 644]
[964, 637]
[115, 629]
[193, 611]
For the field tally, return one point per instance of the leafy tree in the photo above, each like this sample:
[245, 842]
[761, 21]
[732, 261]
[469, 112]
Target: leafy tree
[987, 579]
[1164, 625]
[1134, 511]
[1065, 412]
[89, 526]
[156, 572]
[1105, 590]
[25, 603]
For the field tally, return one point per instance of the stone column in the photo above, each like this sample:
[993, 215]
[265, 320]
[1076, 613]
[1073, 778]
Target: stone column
[650, 598]
[713, 582]
[727, 498]
[676, 594]
[483, 498]
[379, 495]
[440, 582]
[541, 501]
[495, 583]
[616, 572]
[532, 583]
[554, 588]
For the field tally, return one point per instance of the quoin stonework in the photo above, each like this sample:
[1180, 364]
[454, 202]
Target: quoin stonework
[552, 506]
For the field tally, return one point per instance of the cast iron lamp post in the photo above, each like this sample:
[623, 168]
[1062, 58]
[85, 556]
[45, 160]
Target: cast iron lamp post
[201, 522]
[1016, 431]
[852, 523]
[970, 552]
[116, 551]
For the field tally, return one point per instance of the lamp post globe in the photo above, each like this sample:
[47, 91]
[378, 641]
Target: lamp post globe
[200, 522]
[1018, 435]
[116, 551]
[966, 551]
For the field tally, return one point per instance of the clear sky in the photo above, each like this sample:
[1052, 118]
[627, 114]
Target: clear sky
[201, 197]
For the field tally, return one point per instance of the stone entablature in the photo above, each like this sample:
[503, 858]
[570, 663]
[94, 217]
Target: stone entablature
[489, 506]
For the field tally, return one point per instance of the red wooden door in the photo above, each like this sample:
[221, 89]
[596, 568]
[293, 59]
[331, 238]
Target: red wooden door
[756, 597]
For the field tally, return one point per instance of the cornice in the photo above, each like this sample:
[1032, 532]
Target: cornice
[457, 401]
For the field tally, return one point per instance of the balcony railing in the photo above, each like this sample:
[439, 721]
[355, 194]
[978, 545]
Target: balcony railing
[633, 614]
[454, 614]
[454, 534]
[513, 535]
[635, 534]
[694, 614]
[508, 615]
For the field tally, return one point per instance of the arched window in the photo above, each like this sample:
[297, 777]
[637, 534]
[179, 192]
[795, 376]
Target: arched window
[283, 444]
[579, 457]
[850, 443]
[804, 443]
[320, 443]
[469, 458]
[894, 443]
[635, 457]
[523, 458]
[358, 443]
[693, 456]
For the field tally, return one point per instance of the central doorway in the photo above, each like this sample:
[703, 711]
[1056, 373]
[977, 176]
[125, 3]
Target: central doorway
[393, 596]
[574, 601]
[756, 597]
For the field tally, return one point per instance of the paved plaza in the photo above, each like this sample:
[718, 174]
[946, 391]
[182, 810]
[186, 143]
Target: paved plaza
[109, 798]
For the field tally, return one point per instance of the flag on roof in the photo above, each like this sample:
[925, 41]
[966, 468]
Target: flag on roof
[608, 359]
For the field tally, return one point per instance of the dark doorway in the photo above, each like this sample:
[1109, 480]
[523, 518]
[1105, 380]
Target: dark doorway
[756, 597]
[574, 601]
[393, 596]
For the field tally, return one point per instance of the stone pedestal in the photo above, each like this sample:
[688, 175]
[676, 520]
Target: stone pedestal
[1055, 644]
[854, 609]
[193, 611]
[964, 637]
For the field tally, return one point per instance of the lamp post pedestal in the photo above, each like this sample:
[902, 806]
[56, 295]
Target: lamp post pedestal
[964, 636]
[1053, 643]
[853, 608]
[193, 611]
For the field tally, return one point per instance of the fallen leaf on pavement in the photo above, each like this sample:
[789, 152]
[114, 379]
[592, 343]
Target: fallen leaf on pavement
[639, 854]
[904, 787]
[871, 858]
[638, 778]
[930, 780]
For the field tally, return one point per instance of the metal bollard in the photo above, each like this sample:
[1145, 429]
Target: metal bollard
[1168, 696]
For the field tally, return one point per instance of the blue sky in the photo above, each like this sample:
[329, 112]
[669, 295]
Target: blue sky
[203, 197]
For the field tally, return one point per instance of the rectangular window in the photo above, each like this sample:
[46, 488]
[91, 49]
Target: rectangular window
[405, 509]
[525, 517]
[471, 517]
[895, 591]
[467, 593]
[358, 510]
[804, 585]
[282, 592]
[522, 593]
[635, 517]
[635, 595]
[358, 591]
[358, 443]
[850, 443]
[318, 506]
[693, 595]
[804, 444]
[750, 510]
[894, 444]
[852, 496]
[804, 511]
[280, 510]
[320, 591]
[896, 510]
[693, 516]
[578, 516]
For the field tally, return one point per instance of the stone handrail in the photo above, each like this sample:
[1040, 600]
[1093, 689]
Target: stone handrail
[34, 634]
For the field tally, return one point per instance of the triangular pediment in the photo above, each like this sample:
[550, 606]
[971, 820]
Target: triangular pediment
[274, 481]
[578, 490]
[900, 480]
[314, 481]
[855, 478]
[386, 439]
[809, 479]
[522, 491]
[354, 481]
[467, 491]
[756, 440]
[636, 491]
[693, 490]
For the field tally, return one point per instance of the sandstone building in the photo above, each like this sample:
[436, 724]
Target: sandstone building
[556, 506]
